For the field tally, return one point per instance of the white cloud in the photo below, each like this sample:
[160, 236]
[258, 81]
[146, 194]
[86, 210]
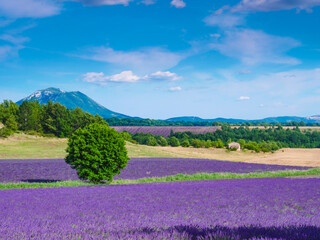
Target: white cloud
[128, 77]
[100, 78]
[143, 60]
[7, 51]
[125, 76]
[241, 98]
[178, 3]
[13, 45]
[252, 47]
[169, 76]
[224, 20]
[28, 8]
[14, 39]
[215, 35]
[149, 2]
[102, 2]
[244, 71]
[94, 77]
[175, 89]
[274, 5]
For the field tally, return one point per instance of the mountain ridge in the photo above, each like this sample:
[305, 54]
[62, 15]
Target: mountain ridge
[72, 100]
[280, 119]
[75, 99]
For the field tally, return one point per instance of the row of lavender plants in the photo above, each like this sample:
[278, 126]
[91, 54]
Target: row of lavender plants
[57, 170]
[274, 208]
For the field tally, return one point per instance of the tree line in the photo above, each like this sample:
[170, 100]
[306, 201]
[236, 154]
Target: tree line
[51, 119]
[255, 139]
[151, 122]
[54, 119]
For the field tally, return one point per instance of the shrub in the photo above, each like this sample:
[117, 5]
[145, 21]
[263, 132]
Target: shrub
[174, 142]
[11, 123]
[185, 143]
[162, 141]
[219, 143]
[151, 141]
[5, 132]
[97, 152]
[252, 146]
[126, 136]
[231, 149]
[208, 144]
[242, 142]
[196, 143]
[265, 147]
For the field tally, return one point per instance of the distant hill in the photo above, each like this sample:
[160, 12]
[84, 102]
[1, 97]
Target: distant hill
[284, 119]
[72, 100]
[78, 99]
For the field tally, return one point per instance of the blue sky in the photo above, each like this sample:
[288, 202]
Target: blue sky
[165, 58]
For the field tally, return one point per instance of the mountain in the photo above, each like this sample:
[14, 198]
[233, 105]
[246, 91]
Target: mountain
[78, 99]
[72, 100]
[186, 119]
[312, 119]
[315, 117]
[197, 119]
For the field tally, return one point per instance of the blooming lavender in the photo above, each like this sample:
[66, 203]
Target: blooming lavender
[273, 208]
[57, 169]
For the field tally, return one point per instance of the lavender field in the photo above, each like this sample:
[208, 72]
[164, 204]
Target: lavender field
[165, 130]
[57, 170]
[276, 208]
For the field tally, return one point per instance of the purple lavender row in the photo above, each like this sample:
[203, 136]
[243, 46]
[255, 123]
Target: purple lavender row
[57, 170]
[275, 208]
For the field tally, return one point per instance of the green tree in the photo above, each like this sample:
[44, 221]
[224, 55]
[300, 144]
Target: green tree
[151, 141]
[174, 142]
[219, 143]
[242, 142]
[208, 144]
[196, 143]
[5, 132]
[185, 143]
[126, 136]
[162, 141]
[30, 116]
[11, 123]
[8, 108]
[97, 152]
[8, 116]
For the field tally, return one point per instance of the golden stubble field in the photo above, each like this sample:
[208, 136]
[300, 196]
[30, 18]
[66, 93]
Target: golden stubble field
[303, 128]
[21, 146]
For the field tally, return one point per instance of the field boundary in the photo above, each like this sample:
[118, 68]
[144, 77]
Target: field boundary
[173, 178]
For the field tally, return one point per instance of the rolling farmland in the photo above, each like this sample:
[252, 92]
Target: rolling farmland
[164, 130]
[259, 208]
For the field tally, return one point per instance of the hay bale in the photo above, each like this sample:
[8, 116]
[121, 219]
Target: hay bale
[234, 145]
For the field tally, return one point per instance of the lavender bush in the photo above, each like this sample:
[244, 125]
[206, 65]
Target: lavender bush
[57, 169]
[275, 208]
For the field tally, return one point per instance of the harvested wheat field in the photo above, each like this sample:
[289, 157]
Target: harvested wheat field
[287, 156]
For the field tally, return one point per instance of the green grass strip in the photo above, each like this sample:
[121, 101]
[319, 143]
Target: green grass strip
[173, 178]
[44, 184]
